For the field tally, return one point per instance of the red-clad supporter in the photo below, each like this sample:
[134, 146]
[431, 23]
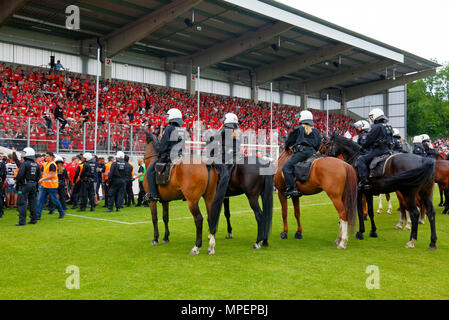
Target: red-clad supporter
[34, 94]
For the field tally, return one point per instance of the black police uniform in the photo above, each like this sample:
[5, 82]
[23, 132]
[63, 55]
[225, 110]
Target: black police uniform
[303, 146]
[429, 152]
[129, 184]
[229, 139]
[173, 134]
[378, 141]
[27, 179]
[87, 178]
[117, 182]
[361, 141]
[2, 180]
[397, 146]
[418, 149]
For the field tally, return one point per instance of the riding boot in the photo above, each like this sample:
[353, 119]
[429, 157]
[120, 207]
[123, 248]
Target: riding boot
[292, 192]
[364, 184]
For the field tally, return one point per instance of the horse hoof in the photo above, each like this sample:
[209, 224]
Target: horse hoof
[421, 222]
[365, 218]
[265, 243]
[433, 247]
[229, 236]
[379, 211]
[211, 252]
[298, 235]
[398, 227]
[359, 236]
[256, 246]
[406, 228]
[410, 244]
[373, 234]
[341, 247]
[284, 235]
[440, 204]
[195, 251]
[154, 243]
[389, 211]
[165, 241]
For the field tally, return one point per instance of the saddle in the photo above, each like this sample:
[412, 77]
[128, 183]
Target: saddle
[302, 169]
[377, 166]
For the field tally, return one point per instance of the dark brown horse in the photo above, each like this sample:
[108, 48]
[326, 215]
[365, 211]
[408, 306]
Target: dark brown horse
[442, 179]
[190, 180]
[409, 174]
[337, 179]
[253, 178]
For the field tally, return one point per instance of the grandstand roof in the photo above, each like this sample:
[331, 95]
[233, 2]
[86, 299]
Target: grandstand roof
[255, 41]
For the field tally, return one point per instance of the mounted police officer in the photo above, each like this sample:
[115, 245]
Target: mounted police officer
[229, 139]
[87, 178]
[378, 142]
[27, 179]
[427, 145]
[363, 127]
[398, 146]
[418, 148]
[117, 182]
[174, 135]
[304, 141]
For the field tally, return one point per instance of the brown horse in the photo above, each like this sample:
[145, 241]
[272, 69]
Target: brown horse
[442, 179]
[338, 179]
[190, 180]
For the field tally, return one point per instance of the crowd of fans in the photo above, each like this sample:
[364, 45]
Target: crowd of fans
[44, 95]
[442, 146]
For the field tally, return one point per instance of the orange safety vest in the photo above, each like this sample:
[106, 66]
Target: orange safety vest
[53, 182]
[107, 169]
[16, 171]
[81, 170]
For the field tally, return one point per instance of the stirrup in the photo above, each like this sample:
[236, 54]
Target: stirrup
[151, 198]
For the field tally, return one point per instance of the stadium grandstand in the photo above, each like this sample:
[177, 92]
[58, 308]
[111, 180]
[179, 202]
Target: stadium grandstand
[258, 58]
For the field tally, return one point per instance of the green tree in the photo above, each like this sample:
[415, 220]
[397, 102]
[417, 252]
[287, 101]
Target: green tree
[428, 105]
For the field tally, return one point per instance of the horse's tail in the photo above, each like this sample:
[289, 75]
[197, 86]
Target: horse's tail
[349, 197]
[411, 178]
[267, 206]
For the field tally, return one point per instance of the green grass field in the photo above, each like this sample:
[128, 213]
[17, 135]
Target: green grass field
[116, 260]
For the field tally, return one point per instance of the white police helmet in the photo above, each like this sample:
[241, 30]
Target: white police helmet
[58, 159]
[365, 125]
[29, 153]
[231, 120]
[417, 139]
[396, 133]
[88, 156]
[120, 155]
[306, 117]
[175, 115]
[425, 138]
[376, 114]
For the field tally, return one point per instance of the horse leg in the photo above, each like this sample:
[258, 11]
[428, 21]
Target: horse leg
[298, 234]
[390, 206]
[254, 203]
[342, 238]
[153, 208]
[227, 214]
[423, 211]
[198, 218]
[409, 221]
[441, 189]
[430, 210]
[379, 210]
[359, 235]
[369, 201]
[165, 218]
[284, 206]
[446, 201]
[414, 215]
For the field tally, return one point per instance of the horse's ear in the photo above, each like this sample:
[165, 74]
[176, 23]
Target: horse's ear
[149, 136]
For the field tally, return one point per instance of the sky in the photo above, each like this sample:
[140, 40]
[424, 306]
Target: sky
[419, 27]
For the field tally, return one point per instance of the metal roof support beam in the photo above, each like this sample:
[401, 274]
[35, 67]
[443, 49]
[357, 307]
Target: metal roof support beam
[363, 90]
[8, 8]
[298, 62]
[142, 27]
[229, 48]
[324, 82]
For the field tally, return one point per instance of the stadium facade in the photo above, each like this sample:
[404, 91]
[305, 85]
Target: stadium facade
[241, 47]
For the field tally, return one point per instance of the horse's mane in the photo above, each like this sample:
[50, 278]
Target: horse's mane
[346, 142]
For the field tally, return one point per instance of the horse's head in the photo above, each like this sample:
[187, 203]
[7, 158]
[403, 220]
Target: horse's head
[151, 139]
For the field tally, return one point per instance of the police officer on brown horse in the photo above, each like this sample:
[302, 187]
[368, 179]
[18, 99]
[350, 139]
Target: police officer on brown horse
[304, 141]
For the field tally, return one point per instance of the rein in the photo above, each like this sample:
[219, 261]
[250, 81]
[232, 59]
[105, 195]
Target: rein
[150, 156]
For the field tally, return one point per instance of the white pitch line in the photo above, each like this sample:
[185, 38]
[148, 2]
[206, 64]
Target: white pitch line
[183, 218]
